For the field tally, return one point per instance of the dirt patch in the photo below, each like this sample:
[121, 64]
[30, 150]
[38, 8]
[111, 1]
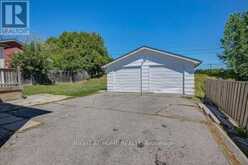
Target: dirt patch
[140, 145]
[220, 141]
[164, 126]
[157, 161]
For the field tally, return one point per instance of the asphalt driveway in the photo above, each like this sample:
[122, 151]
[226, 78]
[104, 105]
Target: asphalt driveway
[112, 129]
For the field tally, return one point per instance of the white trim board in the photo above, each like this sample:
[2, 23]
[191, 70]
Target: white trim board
[194, 61]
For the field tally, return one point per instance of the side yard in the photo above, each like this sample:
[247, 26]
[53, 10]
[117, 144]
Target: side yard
[199, 84]
[202, 75]
[82, 88]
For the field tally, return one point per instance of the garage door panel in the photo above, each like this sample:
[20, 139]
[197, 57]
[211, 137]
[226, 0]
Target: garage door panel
[165, 80]
[128, 80]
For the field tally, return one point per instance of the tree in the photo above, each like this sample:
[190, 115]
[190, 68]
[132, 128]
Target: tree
[34, 62]
[73, 51]
[235, 45]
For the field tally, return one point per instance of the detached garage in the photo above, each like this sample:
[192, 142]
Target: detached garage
[151, 70]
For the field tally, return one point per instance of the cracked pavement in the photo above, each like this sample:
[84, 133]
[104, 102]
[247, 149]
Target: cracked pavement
[116, 128]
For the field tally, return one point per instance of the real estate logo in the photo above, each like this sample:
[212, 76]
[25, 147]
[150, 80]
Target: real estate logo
[14, 17]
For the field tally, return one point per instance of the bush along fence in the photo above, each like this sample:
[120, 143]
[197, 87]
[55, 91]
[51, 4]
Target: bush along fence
[231, 97]
[57, 76]
[67, 76]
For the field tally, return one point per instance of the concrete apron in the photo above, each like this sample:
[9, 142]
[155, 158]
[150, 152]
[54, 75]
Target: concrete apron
[36, 100]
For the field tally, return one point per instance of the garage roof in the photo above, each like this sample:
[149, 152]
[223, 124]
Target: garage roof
[189, 59]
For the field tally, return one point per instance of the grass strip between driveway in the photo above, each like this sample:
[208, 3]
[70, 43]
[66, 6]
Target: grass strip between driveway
[82, 88]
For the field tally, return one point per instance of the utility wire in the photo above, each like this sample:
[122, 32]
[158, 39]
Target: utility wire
[202, 50]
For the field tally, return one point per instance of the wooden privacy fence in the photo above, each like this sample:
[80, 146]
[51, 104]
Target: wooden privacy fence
[56, 76]
[231, 97]
[67, 76]
[10, 78]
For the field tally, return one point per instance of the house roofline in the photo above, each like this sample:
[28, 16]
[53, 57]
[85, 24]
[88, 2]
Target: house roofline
[193, 60]
[4, 43]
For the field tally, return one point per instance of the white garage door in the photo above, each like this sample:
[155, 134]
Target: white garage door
[128, 80]
[164, 80]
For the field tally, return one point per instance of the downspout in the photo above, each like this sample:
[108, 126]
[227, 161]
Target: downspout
[183, 80]
[183, 83]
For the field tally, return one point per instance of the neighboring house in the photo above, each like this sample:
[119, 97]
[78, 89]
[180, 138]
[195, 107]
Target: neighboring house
[151, 70]
[8, 48]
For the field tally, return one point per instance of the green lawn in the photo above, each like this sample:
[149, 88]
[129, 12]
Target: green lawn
[69, 89]
[199, 84]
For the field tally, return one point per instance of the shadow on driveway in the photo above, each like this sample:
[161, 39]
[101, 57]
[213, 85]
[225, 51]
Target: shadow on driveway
[13, 117]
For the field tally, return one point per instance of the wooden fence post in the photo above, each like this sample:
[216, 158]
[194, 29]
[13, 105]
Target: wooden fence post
[2, 77]
[19, 79]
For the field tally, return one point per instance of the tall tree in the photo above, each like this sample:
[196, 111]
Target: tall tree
[34, 62]
[235, 45]
[74, 51]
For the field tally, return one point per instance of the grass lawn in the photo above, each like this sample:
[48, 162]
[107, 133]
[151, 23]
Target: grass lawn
[83, 88]
[199, 84]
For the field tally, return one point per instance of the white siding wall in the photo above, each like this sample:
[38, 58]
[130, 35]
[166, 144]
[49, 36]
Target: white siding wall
[110, 81]
[149, 60]
[145, 78]
[189, 80]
